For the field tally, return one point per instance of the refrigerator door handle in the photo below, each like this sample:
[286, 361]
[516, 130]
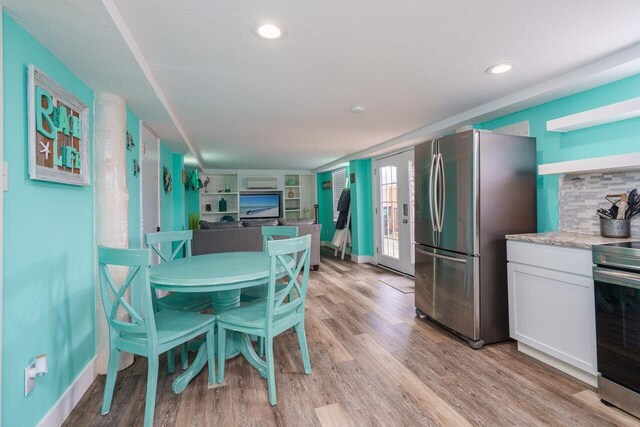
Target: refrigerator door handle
[436, 195]
[431, 195]
[441, 200]
[434, 255]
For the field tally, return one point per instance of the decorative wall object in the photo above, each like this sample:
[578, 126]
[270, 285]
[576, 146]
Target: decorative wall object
[136, 167]
[193, 181]
[130, 144]
[184, 176]
[58, 132]
[352, 178]
[167, 183]
[326, 185]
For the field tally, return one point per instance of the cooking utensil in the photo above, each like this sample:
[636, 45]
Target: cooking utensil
[622, 206]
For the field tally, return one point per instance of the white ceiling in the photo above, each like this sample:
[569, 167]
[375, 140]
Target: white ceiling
[250, 103]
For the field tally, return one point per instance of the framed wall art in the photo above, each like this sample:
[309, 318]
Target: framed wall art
[58, 132]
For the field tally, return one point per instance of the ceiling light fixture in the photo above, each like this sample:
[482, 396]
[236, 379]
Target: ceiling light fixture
[357, 109]
[270, 30]
[499, 68]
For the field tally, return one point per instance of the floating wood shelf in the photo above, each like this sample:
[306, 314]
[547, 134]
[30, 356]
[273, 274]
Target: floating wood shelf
[593, 165]
[598, 116]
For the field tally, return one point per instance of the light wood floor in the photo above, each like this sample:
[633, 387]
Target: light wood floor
[374, 364]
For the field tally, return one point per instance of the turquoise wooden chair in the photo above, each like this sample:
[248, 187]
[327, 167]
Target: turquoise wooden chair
[184, 301]
[148, 333]
[273, 315]
[269, 234]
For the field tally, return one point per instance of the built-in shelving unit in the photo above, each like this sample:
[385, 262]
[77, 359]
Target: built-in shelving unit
[221, 186]
[598, 116]
[593, 165]
[297, 189]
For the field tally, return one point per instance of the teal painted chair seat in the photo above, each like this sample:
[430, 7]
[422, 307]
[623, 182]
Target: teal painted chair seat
[268, 235]
[251, 316]
[145, 332]
[274, 314]
[176, 301]
[171, 326]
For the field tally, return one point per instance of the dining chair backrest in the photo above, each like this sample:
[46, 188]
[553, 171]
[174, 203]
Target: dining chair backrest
[182, 238]
[282, 252]
[114, 294]
[270, 232]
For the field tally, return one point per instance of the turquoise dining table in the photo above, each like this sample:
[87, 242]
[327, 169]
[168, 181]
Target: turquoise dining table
[223, 275]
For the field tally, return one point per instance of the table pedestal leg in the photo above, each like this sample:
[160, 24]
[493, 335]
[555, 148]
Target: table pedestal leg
[236, 343]
[180, 383]
[221, 302]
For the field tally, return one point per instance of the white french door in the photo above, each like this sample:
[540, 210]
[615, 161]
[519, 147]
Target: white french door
[394, 212]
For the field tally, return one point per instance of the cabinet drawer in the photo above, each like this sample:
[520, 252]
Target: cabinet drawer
[561, 258]
[553, 311]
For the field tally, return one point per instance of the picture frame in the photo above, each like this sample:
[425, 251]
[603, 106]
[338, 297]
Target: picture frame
[58, 141]
[326, 185]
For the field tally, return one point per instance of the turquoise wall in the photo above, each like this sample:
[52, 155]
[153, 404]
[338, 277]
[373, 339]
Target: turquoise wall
[48, 249]
[604, 140]
[191, 201]
[325, 208]
[166, 199]
[362, 208]
[172, 205]
[134, 183]
[179, 219]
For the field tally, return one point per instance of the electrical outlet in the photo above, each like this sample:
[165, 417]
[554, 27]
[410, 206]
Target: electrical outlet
[29, 383]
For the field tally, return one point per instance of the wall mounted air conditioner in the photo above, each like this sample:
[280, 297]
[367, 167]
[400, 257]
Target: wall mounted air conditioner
[262, 183]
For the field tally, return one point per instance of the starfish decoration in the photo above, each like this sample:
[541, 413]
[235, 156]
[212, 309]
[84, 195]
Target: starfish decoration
[45, 150]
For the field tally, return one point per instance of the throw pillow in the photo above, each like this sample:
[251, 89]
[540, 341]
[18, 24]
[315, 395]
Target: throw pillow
[260, 222]
[300, 221]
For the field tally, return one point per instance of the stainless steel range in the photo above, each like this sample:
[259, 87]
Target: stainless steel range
[617, 296]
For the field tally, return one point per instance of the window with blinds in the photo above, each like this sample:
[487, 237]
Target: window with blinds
[338, 183]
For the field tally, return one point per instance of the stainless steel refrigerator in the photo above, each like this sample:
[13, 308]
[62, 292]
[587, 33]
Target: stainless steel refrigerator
[471, 188]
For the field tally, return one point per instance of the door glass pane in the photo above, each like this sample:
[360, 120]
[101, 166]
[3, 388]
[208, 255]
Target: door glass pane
[389, 208]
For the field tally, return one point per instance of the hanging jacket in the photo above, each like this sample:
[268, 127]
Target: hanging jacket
[343, 208]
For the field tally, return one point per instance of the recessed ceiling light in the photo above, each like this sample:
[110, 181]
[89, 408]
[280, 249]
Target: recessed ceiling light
[499, 68]
[357, 109]
[270, 30]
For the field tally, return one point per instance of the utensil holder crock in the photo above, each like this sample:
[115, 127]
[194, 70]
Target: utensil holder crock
[615, 227]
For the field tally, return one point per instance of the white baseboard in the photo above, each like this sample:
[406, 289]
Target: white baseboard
[359, 259]
[363, 259]
[71, 396]
[561, 365]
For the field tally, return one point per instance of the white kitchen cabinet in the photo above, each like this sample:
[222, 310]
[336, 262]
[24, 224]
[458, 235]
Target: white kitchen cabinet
[551, 306]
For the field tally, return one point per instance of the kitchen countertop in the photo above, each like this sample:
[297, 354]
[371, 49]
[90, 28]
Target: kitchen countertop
[571, 240]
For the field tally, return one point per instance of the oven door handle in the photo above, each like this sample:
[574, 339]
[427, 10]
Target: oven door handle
[620, 278]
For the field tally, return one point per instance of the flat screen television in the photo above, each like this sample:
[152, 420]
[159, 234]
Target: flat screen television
[260, 205]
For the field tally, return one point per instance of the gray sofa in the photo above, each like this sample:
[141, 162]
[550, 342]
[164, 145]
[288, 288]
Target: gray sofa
[236, 237]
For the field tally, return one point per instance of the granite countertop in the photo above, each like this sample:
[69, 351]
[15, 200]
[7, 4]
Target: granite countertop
[572, 240]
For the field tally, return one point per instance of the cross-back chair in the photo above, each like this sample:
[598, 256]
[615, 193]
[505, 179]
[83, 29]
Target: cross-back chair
[276, 313]
[269, 233]
[143, 331]
[168, 245]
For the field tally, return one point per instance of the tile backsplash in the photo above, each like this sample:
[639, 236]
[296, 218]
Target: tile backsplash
[579, 197]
